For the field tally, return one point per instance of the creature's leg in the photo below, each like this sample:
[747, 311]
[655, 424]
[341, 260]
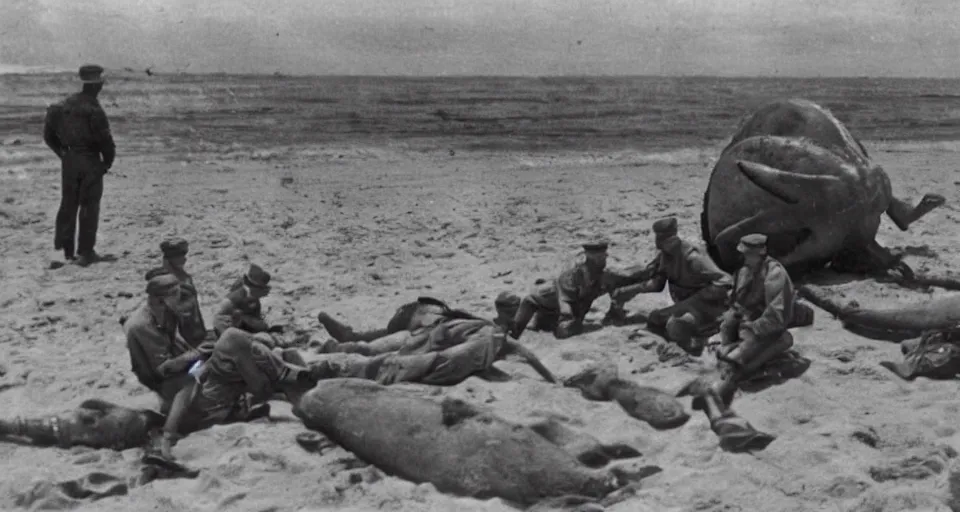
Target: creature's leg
[342, 332]
[771, 221]
[902, 214]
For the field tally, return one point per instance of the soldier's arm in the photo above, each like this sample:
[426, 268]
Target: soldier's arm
[772, 320]
[720, 282]
[152, 345]
[50, 137]
[656, 281]
[180, 363]
[251, 323]
[223, 319]
[568, 284]
[100, 127]
[512, 347]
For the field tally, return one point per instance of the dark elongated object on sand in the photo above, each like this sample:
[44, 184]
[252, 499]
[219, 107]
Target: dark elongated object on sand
[453, 445]
[794, 173]
[96, 424]
[656, 407]
[901, 320]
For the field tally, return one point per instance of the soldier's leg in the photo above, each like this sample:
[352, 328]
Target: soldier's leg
[66, 223]
[802, 315]
[657, 320]
[683, 329]
[91, 191]
[344, 333]
[262, 370]
[389, 343]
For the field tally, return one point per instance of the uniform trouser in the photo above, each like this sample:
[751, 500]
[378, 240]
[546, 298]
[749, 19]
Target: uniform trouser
[382, 345]
[447, 367]
[242, 363]
[81, 190]
[688, 318]
[748, 350]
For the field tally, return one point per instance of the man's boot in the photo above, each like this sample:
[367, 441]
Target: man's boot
[615, 315]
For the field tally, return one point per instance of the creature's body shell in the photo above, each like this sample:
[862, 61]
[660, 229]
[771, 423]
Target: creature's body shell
[793, 173]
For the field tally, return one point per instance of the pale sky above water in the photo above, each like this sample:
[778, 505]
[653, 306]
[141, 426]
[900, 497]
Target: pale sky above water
[905, 38]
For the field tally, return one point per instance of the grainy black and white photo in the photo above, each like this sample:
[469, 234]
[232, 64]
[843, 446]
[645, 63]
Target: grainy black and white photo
[479, 256]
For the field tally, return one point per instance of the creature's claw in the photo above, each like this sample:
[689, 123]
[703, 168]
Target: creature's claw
[905, 271]
[931, 201]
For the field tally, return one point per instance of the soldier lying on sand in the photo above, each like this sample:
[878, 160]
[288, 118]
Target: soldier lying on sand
[442, 347]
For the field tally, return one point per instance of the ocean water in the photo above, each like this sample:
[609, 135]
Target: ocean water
[648, 114]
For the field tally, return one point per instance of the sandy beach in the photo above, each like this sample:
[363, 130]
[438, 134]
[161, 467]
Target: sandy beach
[358, 228]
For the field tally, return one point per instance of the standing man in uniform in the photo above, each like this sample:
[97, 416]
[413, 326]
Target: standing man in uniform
[697, 286]
[78, 131]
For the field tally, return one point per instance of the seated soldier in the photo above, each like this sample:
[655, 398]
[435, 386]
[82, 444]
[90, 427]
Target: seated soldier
[452, 346]
[241, 307]
[697, 286]
[754, 331]
[239, 365]
[192, 327]
[562, 304]
[159, 356]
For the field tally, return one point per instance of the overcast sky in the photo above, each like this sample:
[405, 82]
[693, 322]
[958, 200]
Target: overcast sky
[484, 37]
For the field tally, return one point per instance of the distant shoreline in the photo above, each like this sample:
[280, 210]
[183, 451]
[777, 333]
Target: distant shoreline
[126, 72]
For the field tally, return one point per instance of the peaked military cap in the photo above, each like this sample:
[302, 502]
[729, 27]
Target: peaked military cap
[257, 277]
[665, 227]
[91, 74]
[596, 246]
[173, 247]
[162, 285]
[755, 242]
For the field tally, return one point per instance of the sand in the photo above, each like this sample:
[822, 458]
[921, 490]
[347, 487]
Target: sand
[357, 230]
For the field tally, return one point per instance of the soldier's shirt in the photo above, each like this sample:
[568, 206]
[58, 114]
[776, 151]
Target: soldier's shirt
[685, 275]
[577, 285]
[192, 326]
[152, 342]
[240, 310]
[765, 298]
[80, 123]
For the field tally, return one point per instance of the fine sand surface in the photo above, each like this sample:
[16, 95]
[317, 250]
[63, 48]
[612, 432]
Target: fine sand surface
[357, 230]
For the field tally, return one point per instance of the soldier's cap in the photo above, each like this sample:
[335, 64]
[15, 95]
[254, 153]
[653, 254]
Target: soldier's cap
[162, 285]
[173, 247]
[154, 272]
[665, 227]
[507, 299]
[91, 74]
[755, 242]
[596, 246]
[257, 277]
